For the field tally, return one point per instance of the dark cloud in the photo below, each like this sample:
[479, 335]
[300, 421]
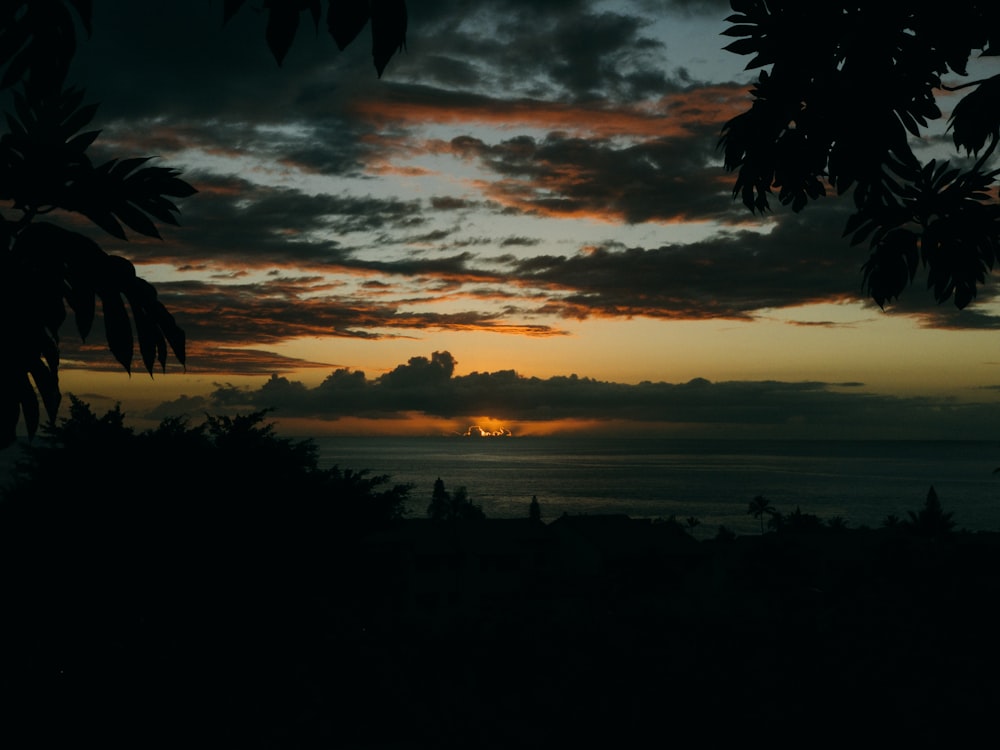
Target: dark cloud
[429, 386]
[541, 49]
[450, 203]
[231, 220]
[667, 179]
[733, 275]
[586, 56]
[178, 59]
[227, 324]
[710, 8]
[519, 242]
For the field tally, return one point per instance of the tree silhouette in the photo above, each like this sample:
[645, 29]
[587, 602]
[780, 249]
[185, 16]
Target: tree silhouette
[44, 167]
[45, 269]
[724, 534]
[837, 523]
[760, 507]
[931, 520]
[891, 521]
[446, 506]
[848, 85]
[440, 500]
[534, 509]
[220, 467]
[797, 521]
[218, 556]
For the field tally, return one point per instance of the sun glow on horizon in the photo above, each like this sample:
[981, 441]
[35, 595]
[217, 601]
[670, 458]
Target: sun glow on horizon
[478, 431]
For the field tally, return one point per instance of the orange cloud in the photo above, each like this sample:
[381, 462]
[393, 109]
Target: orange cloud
[666, 117]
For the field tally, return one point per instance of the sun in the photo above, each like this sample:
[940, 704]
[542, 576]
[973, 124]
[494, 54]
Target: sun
[477, 430]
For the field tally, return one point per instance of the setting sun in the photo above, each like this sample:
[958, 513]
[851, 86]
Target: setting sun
[480, 431]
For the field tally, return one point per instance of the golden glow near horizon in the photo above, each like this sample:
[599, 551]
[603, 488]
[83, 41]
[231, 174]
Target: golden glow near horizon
[834, 343]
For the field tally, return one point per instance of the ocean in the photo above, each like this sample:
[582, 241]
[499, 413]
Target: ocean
[712, 481]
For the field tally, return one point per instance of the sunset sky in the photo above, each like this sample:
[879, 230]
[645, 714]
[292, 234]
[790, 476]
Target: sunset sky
[524, 224]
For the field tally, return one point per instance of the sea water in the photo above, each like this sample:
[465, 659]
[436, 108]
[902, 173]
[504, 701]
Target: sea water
[713, 481]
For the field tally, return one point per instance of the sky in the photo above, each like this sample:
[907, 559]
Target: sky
[523, 226]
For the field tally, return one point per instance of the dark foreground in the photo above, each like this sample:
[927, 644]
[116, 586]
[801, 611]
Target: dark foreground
[134, 631]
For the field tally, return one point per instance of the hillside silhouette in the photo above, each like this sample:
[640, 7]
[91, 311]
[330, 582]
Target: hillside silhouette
[251, 599]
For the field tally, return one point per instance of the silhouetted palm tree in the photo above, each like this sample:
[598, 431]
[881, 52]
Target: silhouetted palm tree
[760, 507]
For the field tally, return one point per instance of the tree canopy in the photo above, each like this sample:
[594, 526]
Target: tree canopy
[843, 91]
[452, 506]
[225, 472]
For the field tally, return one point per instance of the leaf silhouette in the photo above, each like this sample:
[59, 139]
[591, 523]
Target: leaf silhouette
[282, 23]
[38, 40]
[230, 8]
[388, 31]
[803, 132]
[47, 268]
[124, 191]
[155, 326]
[346, 19]
[976, 118]
[117, 327]
[892, 266]
[29, 406]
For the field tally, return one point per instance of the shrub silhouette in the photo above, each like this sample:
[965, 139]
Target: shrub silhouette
[226, 470]
[186, 577]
